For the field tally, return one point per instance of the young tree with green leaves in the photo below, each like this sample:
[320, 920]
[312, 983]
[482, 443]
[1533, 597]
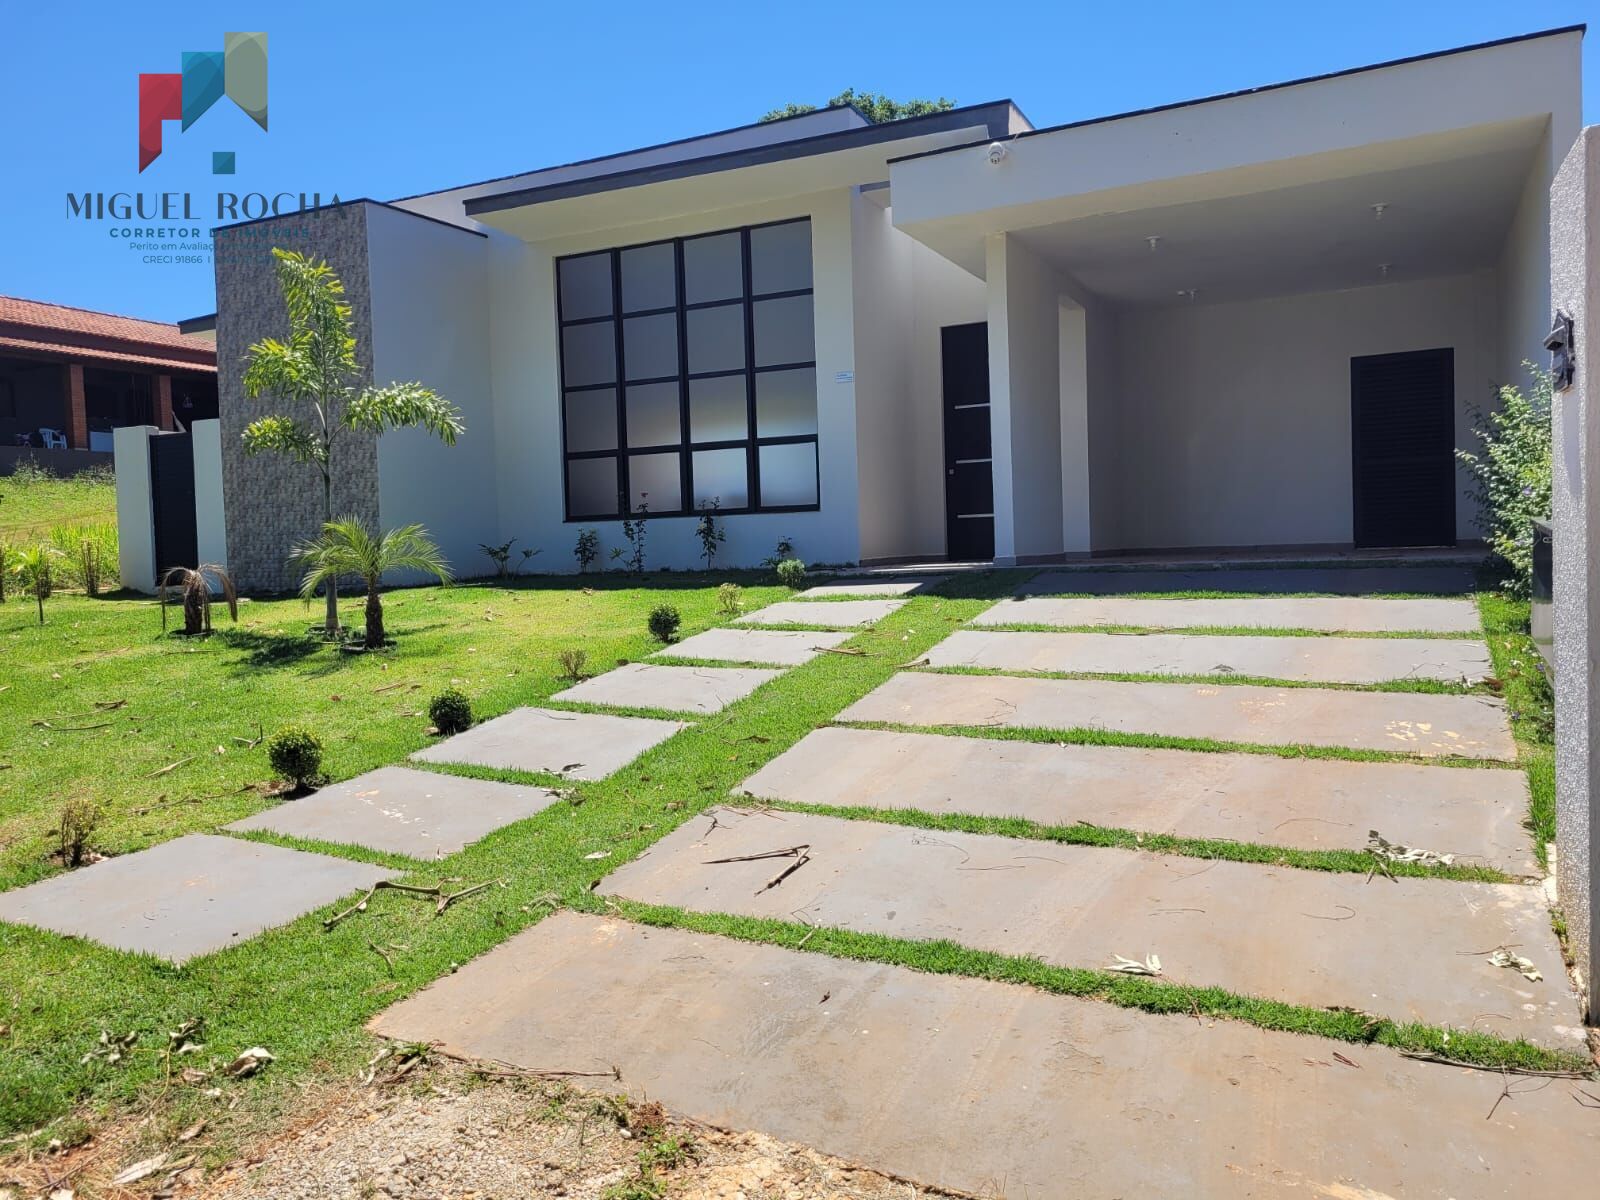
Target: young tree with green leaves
[32, 565]
[1511, 473]
[874, 106]
[316, 370]
[348, 548]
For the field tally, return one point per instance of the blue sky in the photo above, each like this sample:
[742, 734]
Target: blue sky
[393, 99]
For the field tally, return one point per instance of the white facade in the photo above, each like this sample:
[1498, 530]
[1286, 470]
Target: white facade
[1173, 300]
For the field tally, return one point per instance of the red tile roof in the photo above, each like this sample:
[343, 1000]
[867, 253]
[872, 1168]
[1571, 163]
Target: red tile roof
[91, 354]
[78, 332]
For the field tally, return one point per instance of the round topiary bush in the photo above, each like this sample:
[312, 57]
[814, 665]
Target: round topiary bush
[791, 572]
[296, 755]
[664, 621]
[450, 711]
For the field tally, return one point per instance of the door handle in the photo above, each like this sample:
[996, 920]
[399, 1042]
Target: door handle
[949, 470]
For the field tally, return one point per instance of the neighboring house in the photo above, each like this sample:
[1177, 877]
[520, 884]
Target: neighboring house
[1260, 319]
[69, 376]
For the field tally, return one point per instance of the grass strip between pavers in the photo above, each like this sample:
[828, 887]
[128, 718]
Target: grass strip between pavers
[1529, 706]
[1152, 995]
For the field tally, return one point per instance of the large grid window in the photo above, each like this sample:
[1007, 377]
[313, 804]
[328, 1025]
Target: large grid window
[689, 375]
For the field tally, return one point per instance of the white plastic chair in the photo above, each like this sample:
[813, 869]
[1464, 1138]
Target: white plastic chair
[54, 439]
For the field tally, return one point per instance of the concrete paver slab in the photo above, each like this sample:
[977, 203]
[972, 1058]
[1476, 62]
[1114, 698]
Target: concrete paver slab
[1299, 659]
[833, 614]
[420, 813]
[1315, 938]
[880, 585]
[1475, 813]
[675, 689]
[1331, 614]
[1401, 722]
[781, 647]
[577, 745]
[1332, 580]
[979, 1086]
[187, 897]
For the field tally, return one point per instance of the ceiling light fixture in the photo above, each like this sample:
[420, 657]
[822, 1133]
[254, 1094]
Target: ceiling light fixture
[1384, 268]
[1378, 210]
[1189, 292]
[1153, 239]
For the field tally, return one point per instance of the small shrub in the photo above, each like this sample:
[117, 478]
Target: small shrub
[587, 549]
[88, 554]
[664, 622]
[1512, 474]
[33, 567]
[450, 711]
[633, 531]
[501, 557]
[730, 599]
[573, 661]
[791, 572]
[79, 818]
[711, 534]
[644, 1186]
[783, 550]
[296, 755]
[668, 1153]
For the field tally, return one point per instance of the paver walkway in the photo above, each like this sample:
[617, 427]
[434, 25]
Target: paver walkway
[1330, 614]
[1314, 938]
[420, 813]
[996, 1089]
[187, 897]
[1475, 813]
[1299, 659]
[1332, 580]
[883, 585]
[831, 614]
[577, 745]
[780, 647]
[1400, 722]
[674, 689]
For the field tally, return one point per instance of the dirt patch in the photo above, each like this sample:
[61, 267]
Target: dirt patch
[455, 1135]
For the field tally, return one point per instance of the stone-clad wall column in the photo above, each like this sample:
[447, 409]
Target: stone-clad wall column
[271, 503]
[1574, 276]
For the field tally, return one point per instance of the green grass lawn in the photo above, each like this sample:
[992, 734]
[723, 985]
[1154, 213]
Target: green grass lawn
[98, 703]
[32, 503]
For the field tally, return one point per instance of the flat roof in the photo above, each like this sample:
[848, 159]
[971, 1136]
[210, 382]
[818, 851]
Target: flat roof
[1581, 29]
[994, 115]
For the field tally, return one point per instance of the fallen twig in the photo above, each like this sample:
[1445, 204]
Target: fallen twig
[170, 767]
[1506, 1093]
[378, 950]
[1535, 1072]
[443, 898]
[799, 862]
[252, 743]
[845, 650]
[786, 852]
[70, 728]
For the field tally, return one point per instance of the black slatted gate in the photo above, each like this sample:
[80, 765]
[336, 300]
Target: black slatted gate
[172, 501]
[1402, 425]
[968, 469]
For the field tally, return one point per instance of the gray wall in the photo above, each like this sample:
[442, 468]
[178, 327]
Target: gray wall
[271, 502]
[1574, 226]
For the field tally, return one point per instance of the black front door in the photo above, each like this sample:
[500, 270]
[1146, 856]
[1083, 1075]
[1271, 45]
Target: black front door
[968, 469]
[1402, 429]
[172, 501]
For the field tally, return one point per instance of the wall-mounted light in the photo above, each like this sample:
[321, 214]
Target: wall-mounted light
[1384, 269]
[1189, 292]
[1378, 211]
[997, 153]
[1154, 239]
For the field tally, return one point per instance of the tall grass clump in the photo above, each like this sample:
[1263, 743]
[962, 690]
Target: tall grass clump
[88, 552]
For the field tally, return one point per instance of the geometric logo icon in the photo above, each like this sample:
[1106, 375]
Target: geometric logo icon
[237, 71]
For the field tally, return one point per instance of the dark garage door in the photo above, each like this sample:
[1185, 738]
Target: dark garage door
[1402, 424]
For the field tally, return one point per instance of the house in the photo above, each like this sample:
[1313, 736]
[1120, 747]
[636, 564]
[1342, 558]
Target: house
[69, 376]
[1262, 319]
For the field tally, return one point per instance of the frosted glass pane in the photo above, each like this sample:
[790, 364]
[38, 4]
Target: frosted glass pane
[650, 346]
[592, 487]
[713, 268]
[720, 475]
[649, 277]
[655, 476]
[783, 331]
[789, 474]
[653, 418]
[717, 409]
[592, 420]
[589, 354]
[716, 338]
[586, 287]
[786, 402]
[780, 258]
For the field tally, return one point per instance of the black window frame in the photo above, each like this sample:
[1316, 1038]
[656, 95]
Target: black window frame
[686, 448]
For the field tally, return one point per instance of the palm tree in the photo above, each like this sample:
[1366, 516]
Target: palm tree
[193, 586]
[317, 367]
[349, 548]
[32, 567]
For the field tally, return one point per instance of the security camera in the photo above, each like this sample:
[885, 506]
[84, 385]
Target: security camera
[997, 153]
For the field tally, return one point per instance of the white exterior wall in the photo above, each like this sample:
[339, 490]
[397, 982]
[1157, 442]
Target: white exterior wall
[136, 526]
[210, 524]
[526, 385]
[906, 295]
[1232, 421]
[430, 324]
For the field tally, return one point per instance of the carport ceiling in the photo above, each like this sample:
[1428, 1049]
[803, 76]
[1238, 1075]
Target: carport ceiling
[1440, 218]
